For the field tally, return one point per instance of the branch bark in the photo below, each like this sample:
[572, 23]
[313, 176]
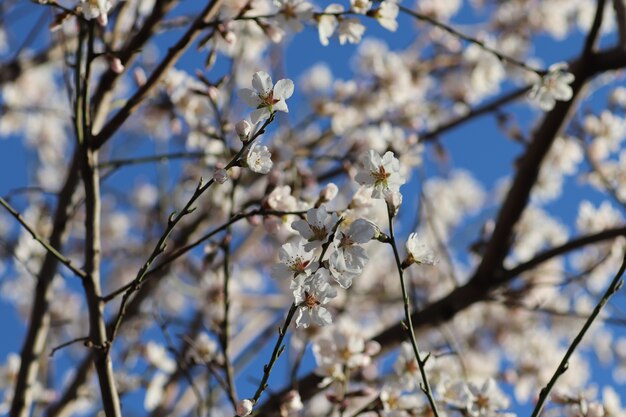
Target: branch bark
[39, 324]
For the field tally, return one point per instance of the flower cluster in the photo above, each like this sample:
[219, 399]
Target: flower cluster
[321, 233]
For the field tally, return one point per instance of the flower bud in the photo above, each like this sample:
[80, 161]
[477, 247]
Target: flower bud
[243, 129]
[393, 200]
[329, 192]
[244, 407]
[292, 401]
[115, 64]
[220, 176]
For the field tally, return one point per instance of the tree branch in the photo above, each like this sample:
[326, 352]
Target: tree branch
[39, 324]
[64, 260]
[170, 59]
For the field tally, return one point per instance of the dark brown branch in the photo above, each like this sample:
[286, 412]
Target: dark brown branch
[620, 17]
[478, 111]
[592, 37]
[568, 247]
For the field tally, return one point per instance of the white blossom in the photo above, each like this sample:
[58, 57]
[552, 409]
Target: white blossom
[349, 258]
[553, 86]
[327, 23]
[294, 260]
[484, 400]
[316, 228]
[350, 31]
[266, 97]
[155, 391]
[382, 174]
[310, 298]
[406, 367]
[418, 251]
[360, 6]
[259, 159]
[96, 9]
[387, 15]
[291, 13]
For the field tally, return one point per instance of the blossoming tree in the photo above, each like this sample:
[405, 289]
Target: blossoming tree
[192, 238]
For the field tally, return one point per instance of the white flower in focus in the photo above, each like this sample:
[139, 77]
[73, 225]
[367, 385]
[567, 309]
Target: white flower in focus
[418, 252]
[382, 174]
[349, 258]
[555, 85]
[310, 297]
[259, 159]
[244, 407]
[266, 97]
[96, 9]
[326, 24]
[316, 228]
[387, 15]
[294, 260]
[291, 13]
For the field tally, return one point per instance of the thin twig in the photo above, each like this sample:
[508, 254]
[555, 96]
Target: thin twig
[425, 386]
[61, 258]
[502, 57]
[615, 285]
[224, 335]
[68, 343]
[173, 220]
[172, 56]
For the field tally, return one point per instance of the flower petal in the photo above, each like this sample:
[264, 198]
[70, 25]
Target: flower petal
[262, 82]
[249, 96]
[281, 106]
[259, 114]
[283, 89]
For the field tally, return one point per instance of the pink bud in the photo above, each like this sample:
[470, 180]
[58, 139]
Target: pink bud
[103, 19]
[116, 65]
[244, 407]
[220, 176]
[140, 76]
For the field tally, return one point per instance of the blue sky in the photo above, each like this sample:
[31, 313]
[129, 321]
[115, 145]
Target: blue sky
[477, 146]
